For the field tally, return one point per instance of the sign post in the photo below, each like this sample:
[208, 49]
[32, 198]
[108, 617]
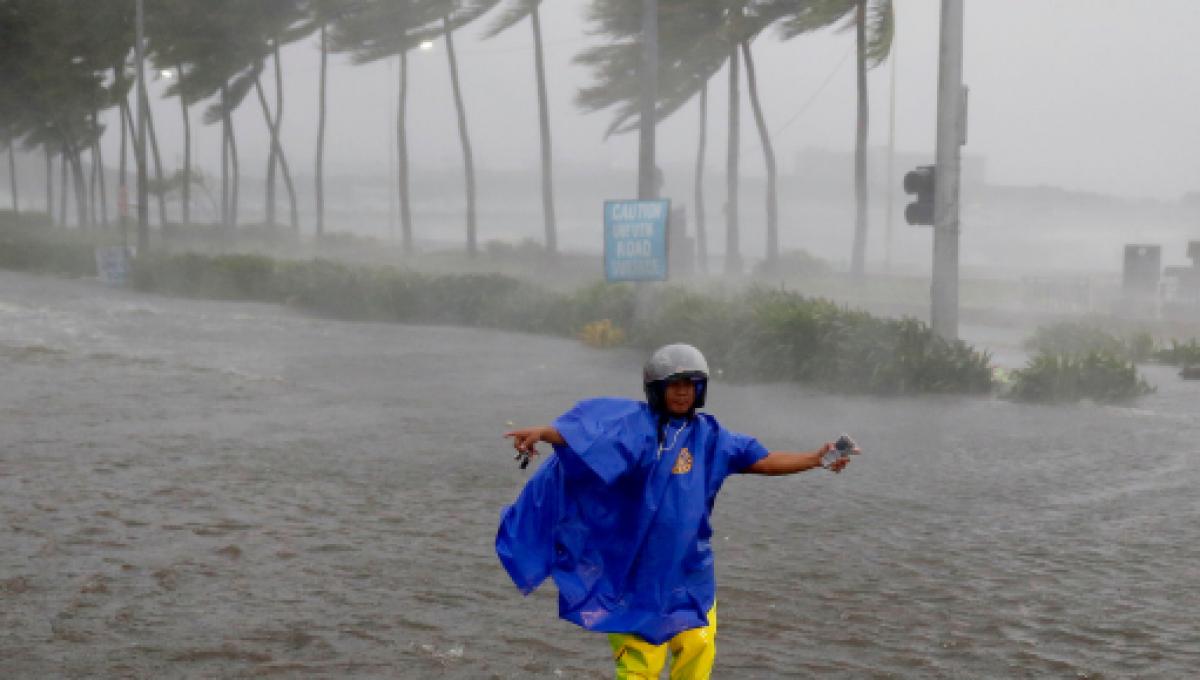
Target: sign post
[635, 240]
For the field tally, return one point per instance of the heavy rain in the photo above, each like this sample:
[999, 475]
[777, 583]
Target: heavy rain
[278, 276]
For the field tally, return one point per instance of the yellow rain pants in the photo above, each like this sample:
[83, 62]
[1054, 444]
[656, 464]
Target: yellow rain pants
[692, 653]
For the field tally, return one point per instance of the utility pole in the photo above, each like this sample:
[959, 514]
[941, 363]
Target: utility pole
[891, 160]
[143, 233]
[950, 136]
[647, 182]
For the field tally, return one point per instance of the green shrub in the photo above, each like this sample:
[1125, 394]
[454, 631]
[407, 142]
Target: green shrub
[1179, 353]
[771, 335]
[221, 277]
[759, 334]
[1082, 337]
[28, 242]
[1098, 375]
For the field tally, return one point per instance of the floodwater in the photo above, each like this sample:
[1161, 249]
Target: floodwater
[201, 489]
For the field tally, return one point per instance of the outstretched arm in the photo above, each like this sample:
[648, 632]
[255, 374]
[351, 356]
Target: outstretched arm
[791, 462]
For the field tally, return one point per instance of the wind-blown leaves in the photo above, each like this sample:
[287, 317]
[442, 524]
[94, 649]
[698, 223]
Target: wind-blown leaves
[515, 13]
[799, 17]
[695, 40]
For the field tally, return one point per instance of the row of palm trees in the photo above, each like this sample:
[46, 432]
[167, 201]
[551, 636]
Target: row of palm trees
[71, 61]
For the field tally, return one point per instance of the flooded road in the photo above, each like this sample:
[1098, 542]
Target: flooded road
[204, 489]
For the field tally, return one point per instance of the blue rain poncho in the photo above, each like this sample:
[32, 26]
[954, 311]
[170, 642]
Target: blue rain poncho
[622, 522]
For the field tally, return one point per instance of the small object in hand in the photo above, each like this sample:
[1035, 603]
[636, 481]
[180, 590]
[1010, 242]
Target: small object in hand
[842, 448]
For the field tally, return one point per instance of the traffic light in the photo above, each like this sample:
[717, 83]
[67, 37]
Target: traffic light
[919, 182]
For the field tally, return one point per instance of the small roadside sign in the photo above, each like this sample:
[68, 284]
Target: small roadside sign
[635, 240]
[112, 265]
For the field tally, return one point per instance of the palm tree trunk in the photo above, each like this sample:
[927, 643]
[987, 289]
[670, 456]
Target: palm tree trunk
[320, 163]
[12, 177]
[293, 218]
[103, 185]
[93, 181]
[82, 212]
[122, 180]
[49, 184]
[733, 258]
[468, 162]
[772, 254]
[276, 153]
[185, 196]
[406, 225]
[544, 128]
[859, 251]
[157, 170]
[236, 173]
[225, 211]
[62, 185]
[137, 157]
[698, 200]
[271, 157]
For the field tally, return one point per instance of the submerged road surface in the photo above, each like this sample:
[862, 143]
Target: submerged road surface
[203, 489]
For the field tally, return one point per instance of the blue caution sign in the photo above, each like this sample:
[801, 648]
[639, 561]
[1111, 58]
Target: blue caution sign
[635, 240]
[112, 265]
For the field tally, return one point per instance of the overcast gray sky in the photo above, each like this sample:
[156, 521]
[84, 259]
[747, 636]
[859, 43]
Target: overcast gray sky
[1098, 95]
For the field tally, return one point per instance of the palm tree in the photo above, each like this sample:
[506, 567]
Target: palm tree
[319, 170]
[281, 18]
[518, 10]
[463, 135]
[318, 15]
[276, 154]
[12, 176]
[696, 41]
[873, 22]
[454, 15]
[772, 254]
[375, 30]
[179, 34]
[733, 256]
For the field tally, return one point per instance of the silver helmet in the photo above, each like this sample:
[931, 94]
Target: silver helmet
[674, 362]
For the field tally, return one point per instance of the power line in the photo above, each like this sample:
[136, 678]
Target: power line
[808, 103]
[812, 99]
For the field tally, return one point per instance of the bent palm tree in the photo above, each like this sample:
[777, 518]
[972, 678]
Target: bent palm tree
[518, 11]
[873, 22]
[375, 30]
[695, 42]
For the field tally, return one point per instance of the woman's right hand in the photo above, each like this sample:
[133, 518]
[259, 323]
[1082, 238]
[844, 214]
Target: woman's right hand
[525, 439]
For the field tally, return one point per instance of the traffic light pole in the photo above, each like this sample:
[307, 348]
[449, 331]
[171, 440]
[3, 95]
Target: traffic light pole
[950, 136]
